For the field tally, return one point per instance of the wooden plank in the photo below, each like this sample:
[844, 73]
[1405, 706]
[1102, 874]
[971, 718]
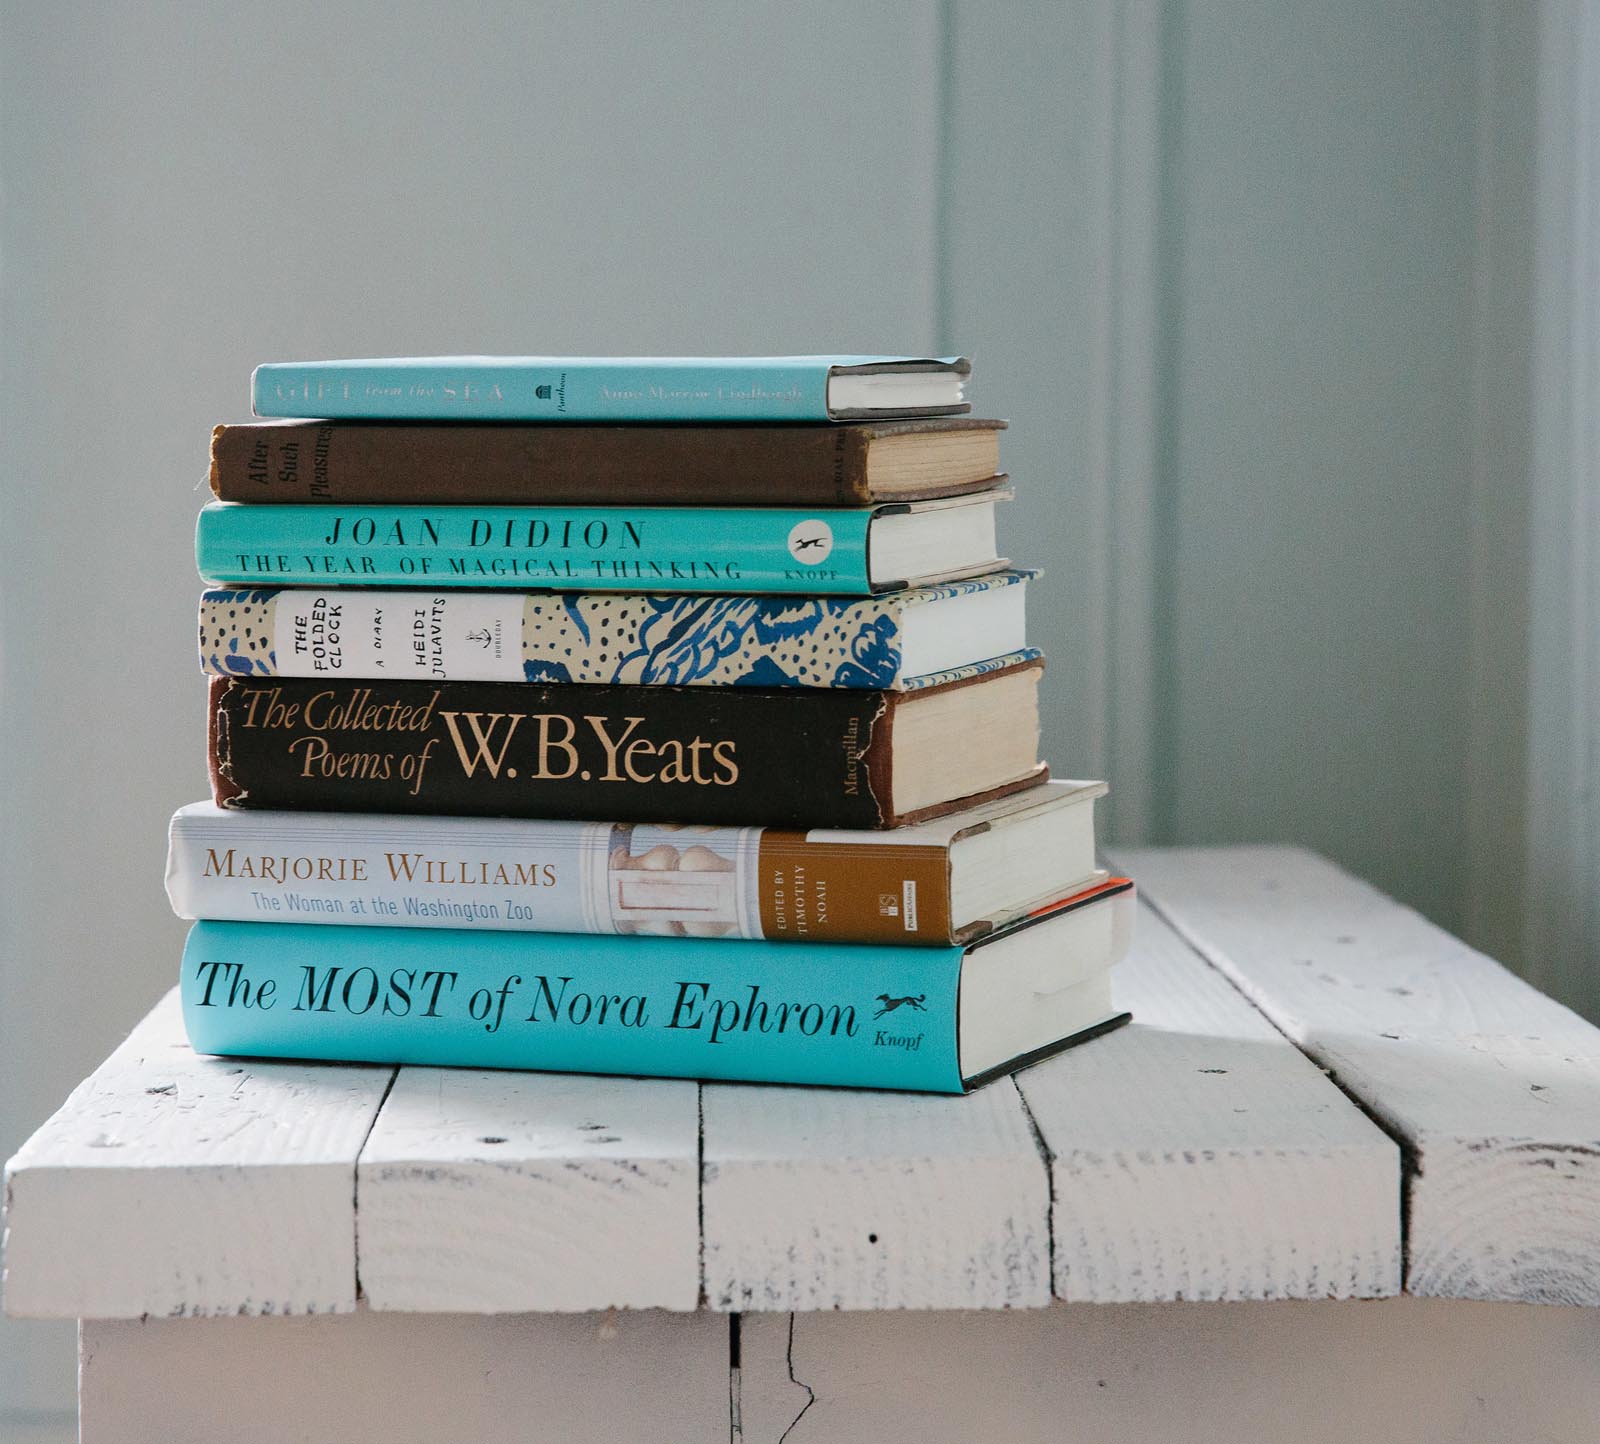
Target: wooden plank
[1390, 1371]
[173, 1184]
[1197, 1154]
[491, 1192]
[1492, 1088]
[375, 1378]
[834, 1199]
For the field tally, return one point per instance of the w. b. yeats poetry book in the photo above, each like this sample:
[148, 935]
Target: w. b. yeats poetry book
[614, 388]
[681, 549]
[900, 640]
[931, 884]
[937, 1020]
[730, 756]
[439, 463]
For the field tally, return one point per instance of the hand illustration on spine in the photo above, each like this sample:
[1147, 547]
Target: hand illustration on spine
[671, 890]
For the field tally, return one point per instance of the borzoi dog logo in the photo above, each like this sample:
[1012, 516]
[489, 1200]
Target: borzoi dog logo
[890, 1004]
[811, 541]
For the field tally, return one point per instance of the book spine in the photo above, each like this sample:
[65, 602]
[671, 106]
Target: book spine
[783, 389]
[676, 549]
[722, 756]
[558, 877]
[633, 639]
[659, 1007]
[341, 464]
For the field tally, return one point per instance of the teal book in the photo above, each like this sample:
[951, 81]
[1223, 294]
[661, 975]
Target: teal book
[848, 552]
[614, 388]
[928, 1020]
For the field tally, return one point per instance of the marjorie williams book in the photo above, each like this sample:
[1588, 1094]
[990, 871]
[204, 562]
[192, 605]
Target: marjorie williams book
[737, 756]
[937, 1020]
[932, 884]
[614, 388]
[846, 551]
[901, 640]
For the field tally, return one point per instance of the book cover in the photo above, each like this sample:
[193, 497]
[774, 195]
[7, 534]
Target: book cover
[626, 638]
[511, 464]
[667, 880]
[833, 1014]
[583, 388]
[726, 756]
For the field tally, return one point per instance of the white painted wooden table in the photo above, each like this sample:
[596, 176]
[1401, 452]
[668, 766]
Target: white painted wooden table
[1323, 1099]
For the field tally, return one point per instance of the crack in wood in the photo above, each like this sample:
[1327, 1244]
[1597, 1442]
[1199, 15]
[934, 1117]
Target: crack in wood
[355, 1183]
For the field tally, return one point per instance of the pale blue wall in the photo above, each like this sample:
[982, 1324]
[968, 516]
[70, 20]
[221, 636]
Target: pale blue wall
[1318, 461]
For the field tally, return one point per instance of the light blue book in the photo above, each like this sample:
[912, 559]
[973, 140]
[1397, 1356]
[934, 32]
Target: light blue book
[849, 1015]
[847, 552]
[614, 388]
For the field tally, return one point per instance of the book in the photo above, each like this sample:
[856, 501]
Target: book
[849, 552]
[510, 464]
[902, 639]
[937, 1020]
[729, 756]
[614, 388]
[932, 884]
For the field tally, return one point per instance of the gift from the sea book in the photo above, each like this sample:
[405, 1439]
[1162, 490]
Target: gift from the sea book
[615, 388]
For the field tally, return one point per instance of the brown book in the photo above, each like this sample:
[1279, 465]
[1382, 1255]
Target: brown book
[730, 756]
[508, 464]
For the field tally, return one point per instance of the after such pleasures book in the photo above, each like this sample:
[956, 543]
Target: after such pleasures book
[724, 756]
[614, 388]
[932, 884]
[903, 639]
[344, 463]
[937, 1020]
[680, 549]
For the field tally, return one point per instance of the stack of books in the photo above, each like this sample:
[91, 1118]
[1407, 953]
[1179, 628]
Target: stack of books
[650, 716]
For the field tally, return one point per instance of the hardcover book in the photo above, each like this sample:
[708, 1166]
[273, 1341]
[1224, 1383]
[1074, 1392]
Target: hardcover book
[937, 1020]
[900, 640]
[509, 464]
[678, 549]
[614, 388]
[725, 756]
[931, 884]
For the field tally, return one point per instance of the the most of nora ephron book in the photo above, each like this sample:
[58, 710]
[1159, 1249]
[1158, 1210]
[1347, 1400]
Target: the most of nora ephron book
[937, 1020]
[345, 463]
[614, 388]
[931, 884]
[729, 756]
[848, 552]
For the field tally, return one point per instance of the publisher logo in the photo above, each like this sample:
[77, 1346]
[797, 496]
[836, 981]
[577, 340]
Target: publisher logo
[542, 392]
[811, 541]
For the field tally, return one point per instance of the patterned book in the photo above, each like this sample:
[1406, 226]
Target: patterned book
[731, 756]
[614, 388]
[435, 463]
[899, 641]
[935, 1020]
[930, 885]
[843, 552]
